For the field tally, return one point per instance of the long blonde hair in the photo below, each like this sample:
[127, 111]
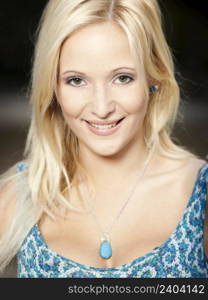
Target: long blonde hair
[51, 152]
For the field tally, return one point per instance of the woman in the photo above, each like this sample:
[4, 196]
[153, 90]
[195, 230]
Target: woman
[103, 190]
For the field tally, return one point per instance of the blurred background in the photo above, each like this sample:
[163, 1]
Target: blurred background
[185, 24]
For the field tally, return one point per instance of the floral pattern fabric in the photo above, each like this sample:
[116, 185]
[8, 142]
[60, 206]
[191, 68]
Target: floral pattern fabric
[181, 255]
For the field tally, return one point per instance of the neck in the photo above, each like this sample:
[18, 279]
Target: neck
[116, 170]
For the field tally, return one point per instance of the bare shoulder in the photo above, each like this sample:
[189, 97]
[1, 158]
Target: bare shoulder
[7, 205]
[196, 164]
[178, 175]
[189, 170]
[187, 167]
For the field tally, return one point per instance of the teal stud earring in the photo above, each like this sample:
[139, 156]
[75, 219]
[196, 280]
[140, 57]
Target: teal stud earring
[153, 88]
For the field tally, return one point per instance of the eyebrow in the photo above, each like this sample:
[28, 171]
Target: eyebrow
[81, 73]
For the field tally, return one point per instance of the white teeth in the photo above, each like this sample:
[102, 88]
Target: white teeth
[103, 126]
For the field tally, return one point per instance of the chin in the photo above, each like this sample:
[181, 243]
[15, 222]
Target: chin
[108, 151]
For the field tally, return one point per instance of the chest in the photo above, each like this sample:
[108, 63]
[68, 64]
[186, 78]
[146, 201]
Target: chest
[147, 222]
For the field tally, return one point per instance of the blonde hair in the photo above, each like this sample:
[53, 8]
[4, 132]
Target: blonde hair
[51, 147]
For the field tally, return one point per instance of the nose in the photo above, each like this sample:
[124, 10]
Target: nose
[102, 104]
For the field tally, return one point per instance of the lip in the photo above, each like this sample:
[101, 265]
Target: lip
[107, 131]
[104, 122]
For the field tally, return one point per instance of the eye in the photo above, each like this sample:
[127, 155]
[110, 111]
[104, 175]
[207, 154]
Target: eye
[124, 77]
[73, 79]
[76, 80]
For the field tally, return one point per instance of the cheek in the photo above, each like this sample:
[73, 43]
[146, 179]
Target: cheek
[134, 101]
[71, 104]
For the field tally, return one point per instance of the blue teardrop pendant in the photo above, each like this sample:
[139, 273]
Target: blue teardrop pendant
[105, 250]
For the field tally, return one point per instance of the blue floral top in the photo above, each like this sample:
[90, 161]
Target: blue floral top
[181, 255]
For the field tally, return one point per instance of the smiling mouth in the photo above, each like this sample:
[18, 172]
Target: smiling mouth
[105, 129]
[116, 123]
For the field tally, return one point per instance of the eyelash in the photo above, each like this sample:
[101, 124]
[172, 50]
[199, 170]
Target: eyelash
[70, 79]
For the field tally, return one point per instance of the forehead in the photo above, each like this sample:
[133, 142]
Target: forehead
[102, 43]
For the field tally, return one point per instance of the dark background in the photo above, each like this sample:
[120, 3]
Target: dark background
[186, 27]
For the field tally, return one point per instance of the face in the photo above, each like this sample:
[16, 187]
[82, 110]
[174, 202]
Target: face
[98, 82]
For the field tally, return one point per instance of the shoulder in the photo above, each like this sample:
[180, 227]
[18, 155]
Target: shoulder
[180, 175]
[191, 172]
[198, 165]
[184, 168]
[201, 167]
[194, 170]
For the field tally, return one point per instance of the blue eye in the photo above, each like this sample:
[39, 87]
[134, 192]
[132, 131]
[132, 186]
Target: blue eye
[76, 80]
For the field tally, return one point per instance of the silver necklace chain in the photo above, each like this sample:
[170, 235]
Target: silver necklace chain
[106, 234]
